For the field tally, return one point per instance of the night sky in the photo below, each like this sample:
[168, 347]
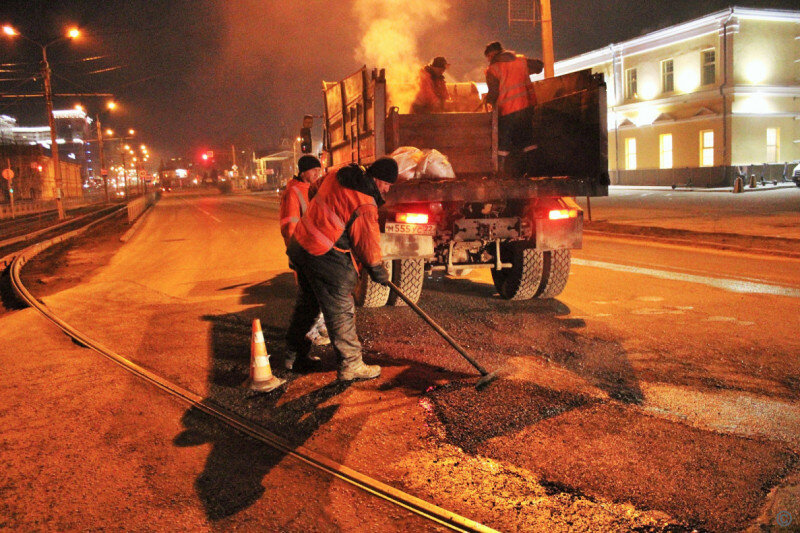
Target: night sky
[200, 73]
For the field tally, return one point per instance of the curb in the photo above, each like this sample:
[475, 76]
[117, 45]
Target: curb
[695, 243]
[667, 188]
[125, 237]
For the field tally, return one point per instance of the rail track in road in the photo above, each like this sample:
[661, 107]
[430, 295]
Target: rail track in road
[63, 230]
[417, 506]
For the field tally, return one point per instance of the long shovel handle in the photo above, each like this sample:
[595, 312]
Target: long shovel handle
[438, 329]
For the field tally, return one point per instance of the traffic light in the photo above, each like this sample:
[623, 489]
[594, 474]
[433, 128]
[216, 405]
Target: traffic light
[305, 134]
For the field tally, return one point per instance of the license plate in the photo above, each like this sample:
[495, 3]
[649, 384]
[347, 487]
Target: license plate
[410, 229]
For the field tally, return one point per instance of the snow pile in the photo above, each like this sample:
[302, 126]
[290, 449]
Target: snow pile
[414, 163]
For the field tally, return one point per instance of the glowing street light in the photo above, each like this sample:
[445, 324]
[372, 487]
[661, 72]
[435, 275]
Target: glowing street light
[72, 33]
[111, 105]
[78, 107]
[131, 132]
[109, 132]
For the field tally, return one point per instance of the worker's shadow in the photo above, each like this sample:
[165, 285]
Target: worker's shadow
[237, 465]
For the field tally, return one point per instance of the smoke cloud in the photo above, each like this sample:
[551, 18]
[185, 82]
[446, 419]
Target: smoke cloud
[390, 33]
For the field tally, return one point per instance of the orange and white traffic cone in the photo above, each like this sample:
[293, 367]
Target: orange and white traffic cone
[261, 378]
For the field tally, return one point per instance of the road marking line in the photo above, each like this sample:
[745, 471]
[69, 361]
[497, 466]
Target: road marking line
[731, 285]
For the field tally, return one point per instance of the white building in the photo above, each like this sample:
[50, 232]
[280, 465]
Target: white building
[700, 100]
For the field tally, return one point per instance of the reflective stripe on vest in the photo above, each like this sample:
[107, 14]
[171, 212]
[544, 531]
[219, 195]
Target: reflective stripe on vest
[516, 89]
[328, 214]
[288, 220]
[301, 199]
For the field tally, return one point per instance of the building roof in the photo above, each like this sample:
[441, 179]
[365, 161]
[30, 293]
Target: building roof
[687, 30]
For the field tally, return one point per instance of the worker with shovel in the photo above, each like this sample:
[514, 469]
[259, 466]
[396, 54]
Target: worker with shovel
[340, 227]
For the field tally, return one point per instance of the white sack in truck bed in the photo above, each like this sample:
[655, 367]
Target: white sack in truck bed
[414, 163]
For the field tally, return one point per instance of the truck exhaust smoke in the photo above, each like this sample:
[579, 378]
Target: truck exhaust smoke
[390, 29]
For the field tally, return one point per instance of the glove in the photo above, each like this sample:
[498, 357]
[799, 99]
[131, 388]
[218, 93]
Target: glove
[378, 274]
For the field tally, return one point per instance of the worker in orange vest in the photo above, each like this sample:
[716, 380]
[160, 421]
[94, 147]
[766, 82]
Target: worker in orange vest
[511, 93]
[339, 228]
[294, 204]
[432, 94]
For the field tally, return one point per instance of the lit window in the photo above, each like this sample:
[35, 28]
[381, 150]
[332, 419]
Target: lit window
[709, 67]
[707, 148]
[773, 145]
[630, 83]
[665, 150]
[630, 153]
[667, 76]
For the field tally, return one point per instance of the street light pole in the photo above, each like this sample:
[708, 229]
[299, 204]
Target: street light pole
[48, 96]
[547, 40]
[103, 171]
[124, 175]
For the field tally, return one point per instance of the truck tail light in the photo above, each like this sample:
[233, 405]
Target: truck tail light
[559, 214]
[412, 218]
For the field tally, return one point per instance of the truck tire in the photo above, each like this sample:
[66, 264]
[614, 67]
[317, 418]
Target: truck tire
[370, 294]
[555, 273]
[408, 274]
[523, 280]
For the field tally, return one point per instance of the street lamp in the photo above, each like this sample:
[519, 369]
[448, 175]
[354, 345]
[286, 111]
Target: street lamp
[294, 153]
[110, 105]
[73, 33]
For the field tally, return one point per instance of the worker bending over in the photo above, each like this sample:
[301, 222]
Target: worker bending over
[341, 225]
[432, 94]
[294, 204]
[508, 78]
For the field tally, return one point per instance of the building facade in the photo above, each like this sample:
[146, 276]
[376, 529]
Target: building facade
[701, 102]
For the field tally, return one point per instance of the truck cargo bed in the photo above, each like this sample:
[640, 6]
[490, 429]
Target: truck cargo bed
[489, 189]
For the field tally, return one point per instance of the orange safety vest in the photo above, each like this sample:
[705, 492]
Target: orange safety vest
[294, 203]
[516, 89]
[328, 215]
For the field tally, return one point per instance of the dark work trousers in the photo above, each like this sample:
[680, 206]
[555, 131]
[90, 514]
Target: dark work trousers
[515, 141]
[326, 283]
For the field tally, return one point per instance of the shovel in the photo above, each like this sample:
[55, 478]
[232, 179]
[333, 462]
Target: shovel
[486, 377]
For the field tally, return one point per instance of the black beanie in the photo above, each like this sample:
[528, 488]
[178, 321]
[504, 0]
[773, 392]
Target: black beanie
[493, 46]
[307, 162]
[384, 169]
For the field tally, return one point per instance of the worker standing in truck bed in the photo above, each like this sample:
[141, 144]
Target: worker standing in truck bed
[511, 93]
[432, 94]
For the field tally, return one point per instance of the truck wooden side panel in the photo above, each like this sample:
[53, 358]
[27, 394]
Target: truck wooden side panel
[469, 140]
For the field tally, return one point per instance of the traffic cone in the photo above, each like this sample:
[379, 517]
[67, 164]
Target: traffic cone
[738, 185]
[261, 378]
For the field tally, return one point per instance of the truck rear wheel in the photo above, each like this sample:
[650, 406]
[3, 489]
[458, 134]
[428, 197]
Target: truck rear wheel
[408, 275]
[523, 279]
[370, 294]
[555, 273]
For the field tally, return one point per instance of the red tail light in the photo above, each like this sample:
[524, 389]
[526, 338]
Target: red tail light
[412, 218]
[559, 214]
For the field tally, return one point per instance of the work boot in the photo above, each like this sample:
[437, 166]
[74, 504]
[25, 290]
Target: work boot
[361, 371]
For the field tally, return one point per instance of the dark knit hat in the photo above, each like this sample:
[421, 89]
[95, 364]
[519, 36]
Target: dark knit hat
[384, 169]
[439, 62]
[307, 162]
[493, 46]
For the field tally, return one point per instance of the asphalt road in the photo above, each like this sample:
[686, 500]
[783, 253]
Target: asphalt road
[661, 389]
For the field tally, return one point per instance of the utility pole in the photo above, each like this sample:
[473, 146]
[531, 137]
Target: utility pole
[124, 175]
[547, 39]
[103, 171]
[48, 96]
